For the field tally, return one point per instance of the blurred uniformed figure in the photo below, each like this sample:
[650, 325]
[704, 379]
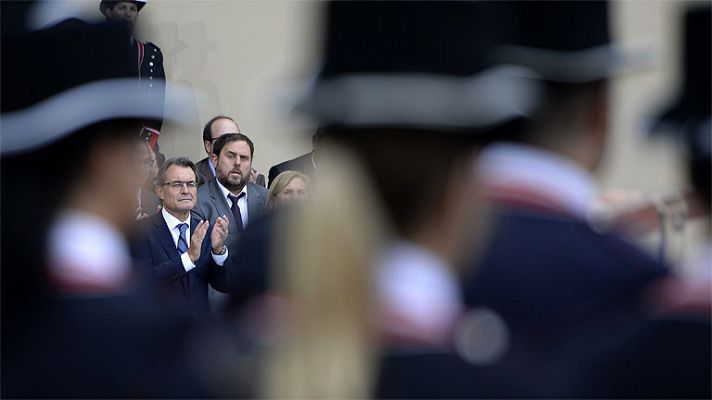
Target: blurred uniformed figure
[545, 269]
[72, 324]
[368, 265]
[148, 60]
[668, 353]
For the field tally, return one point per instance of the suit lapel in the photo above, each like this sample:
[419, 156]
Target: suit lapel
[221, 205]
[164, 235]
[253, 203]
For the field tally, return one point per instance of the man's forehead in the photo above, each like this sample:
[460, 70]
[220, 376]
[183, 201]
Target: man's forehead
[238, 146]
[179, 172]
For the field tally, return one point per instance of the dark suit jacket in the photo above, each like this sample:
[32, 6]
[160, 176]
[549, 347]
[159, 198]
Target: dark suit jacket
[302, 164]
[212, 204]
[157, 258]
[205, 174]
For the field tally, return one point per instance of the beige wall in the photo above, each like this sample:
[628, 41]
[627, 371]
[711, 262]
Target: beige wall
[244, 55]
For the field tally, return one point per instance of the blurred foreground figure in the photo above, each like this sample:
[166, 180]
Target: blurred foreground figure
[565, 290]
[368, 264]
[668, 354]
[71, 118]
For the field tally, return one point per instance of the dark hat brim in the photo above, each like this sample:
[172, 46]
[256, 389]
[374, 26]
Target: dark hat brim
[69, 111]
[493, 96]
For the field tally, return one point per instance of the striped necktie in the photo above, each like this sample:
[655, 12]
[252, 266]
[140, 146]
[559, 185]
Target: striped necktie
[182, 241]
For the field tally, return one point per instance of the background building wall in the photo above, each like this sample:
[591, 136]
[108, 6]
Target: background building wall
[248, 58]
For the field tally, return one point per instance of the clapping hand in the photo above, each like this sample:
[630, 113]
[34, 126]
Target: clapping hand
[219, 234]
[196, 240]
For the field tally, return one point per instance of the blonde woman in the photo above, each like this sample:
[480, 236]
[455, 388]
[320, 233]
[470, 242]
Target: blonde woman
[287, 187]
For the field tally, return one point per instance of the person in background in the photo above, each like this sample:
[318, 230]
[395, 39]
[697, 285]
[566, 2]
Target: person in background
[148, 61]
[72, 324]
[232, 193]
[148, 202]
[181, 254]
[288, 187]
[216, 127]
[304, 164]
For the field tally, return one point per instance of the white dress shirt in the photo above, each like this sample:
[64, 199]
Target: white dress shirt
[241, 202]
[87, 252]
[173, 223]
[539, 172]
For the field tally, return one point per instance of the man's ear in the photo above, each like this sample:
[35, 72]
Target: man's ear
[208, 145]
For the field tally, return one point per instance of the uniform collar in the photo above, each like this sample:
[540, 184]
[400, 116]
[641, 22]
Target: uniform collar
[226, 192]
[419, 296]
[533, 173]
[87, 254]
[172, 221]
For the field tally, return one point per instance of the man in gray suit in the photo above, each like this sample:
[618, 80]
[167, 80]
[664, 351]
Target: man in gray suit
[232, 193]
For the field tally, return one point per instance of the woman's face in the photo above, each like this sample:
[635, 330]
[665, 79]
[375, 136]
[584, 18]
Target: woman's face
[296, 190]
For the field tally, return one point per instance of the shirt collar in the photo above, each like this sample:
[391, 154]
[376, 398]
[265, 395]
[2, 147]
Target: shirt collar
[226, 192]
[540, 172]
[172, 221]
[87, 253]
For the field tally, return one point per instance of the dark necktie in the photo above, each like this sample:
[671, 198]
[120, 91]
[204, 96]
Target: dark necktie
[182, 241]
[236, 210]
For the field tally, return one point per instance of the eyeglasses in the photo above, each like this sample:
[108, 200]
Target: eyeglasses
[178, 185]
[147, 163]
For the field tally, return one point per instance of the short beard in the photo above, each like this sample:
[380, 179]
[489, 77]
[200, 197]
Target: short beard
[230, 186]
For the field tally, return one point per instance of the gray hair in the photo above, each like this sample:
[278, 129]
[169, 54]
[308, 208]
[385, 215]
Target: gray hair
[179, 161]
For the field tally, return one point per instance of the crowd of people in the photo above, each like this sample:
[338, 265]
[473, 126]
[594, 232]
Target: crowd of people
[438, 241]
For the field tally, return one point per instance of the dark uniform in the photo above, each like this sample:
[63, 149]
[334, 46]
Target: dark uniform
[149, 61]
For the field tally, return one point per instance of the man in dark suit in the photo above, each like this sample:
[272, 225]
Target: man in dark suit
[304, 163]
[231, 193]
[213, 129]
[180, 253]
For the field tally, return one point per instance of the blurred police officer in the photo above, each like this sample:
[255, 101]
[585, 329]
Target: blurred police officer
[545, 269]
[668, 353]
[405, 94]
[71, 117]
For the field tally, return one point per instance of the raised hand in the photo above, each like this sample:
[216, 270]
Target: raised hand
[219, 234]
[196, 240]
